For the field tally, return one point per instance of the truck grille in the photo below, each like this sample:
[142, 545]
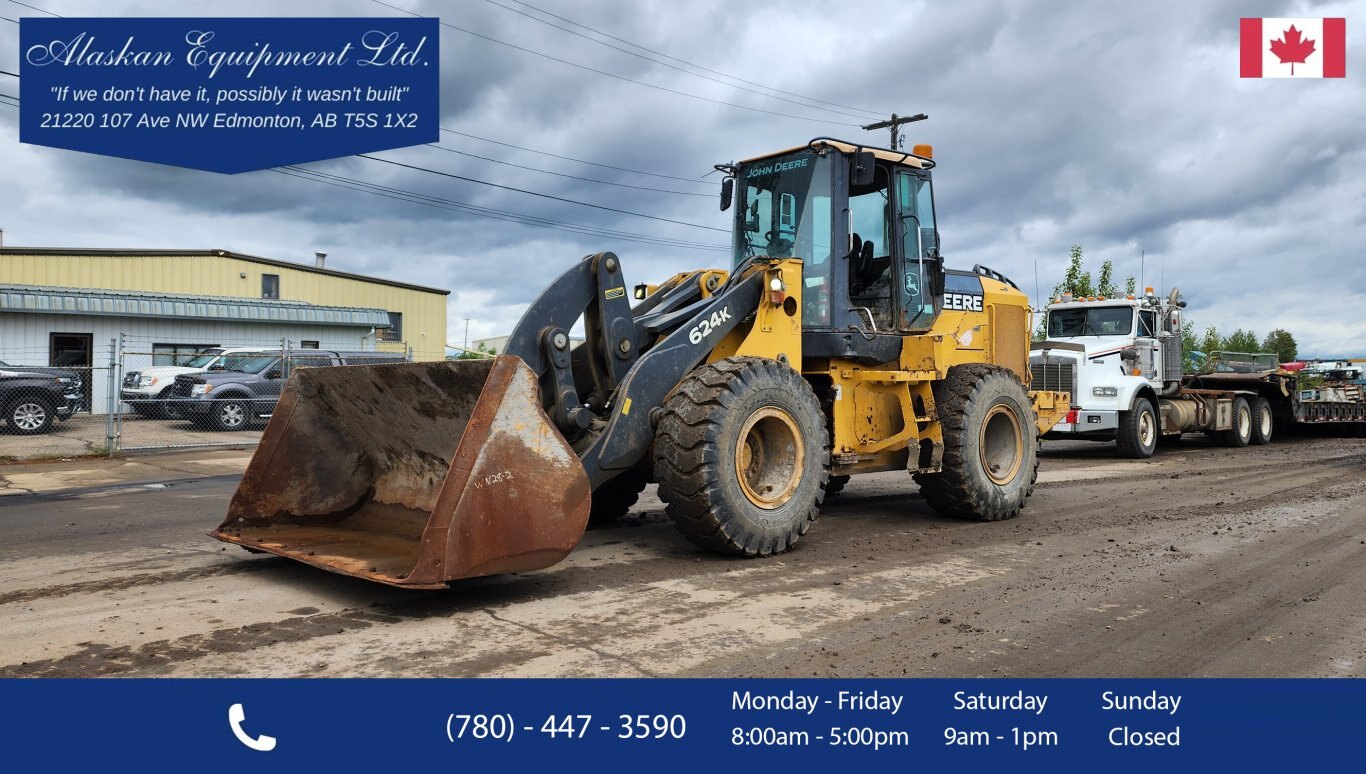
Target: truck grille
[182, 387]
[132, 379]
[1058, 377]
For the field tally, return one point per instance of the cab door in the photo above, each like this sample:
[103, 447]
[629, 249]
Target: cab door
[918, 251]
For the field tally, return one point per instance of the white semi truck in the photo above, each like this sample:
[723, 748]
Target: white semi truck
[1122, 361]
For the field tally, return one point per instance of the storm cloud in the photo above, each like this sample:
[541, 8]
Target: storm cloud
[1123, 127]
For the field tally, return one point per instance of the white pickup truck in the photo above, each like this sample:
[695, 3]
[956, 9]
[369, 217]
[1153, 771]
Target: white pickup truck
[146, 391]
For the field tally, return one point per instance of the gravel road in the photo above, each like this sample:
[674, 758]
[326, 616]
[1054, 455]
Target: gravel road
[1203, 561]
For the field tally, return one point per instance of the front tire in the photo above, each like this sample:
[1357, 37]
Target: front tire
[30, 416]
[231, 414]
[742, 456]
[990, 449]
[1241, 433]
[1138, 431]
[1263, 423]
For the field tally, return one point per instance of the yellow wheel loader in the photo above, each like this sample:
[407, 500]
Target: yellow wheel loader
[836, 344]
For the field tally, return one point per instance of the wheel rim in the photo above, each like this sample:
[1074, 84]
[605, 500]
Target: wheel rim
[28, 416]
[1000, 445]
[1147, 429]
[768, 457]
[232, 415]
[1266, 422]
[1245, 422]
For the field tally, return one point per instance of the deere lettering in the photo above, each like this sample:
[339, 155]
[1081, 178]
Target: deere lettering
[962, 302]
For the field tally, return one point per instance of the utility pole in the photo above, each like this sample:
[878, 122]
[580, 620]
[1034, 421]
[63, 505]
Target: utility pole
[893, 123]
[467, 334]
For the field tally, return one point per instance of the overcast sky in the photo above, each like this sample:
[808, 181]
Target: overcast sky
[1121, 126]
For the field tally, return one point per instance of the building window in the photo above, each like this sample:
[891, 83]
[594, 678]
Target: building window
[270, 286]
[395, 331]
[306, 344]
[176, 354]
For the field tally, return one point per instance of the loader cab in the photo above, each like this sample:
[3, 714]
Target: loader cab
[862, 221]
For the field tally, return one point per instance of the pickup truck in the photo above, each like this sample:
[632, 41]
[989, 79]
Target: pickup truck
[245, 390]
[31, 397]
[148, 390]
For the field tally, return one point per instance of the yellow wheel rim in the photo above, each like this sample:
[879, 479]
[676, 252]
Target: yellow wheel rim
[1001, 445]
[768, 457]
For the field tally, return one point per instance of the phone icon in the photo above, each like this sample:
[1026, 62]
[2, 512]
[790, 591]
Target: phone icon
[262, 743]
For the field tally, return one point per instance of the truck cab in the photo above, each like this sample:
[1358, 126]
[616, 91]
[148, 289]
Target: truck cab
[1120, 358]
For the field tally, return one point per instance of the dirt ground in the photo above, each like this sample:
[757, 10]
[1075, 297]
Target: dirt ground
[1203, 561]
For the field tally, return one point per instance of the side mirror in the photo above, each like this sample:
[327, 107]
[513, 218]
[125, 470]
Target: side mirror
[727, 192]
[273, 373]
[216, 367]
[865, 166]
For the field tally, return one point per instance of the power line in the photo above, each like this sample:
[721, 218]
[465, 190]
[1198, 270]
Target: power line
[8, 19]
[503, 215]
[691, 64]
[542, 195]
[570, 158]
[613, 75]
[561, 174]
[36, 8]
[666, 64]
[7, 72]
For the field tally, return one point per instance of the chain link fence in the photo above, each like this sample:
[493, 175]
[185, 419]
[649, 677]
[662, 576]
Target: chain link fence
[132, 394]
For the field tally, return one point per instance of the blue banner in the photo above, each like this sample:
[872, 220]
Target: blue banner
[684, 725]
[228, 95]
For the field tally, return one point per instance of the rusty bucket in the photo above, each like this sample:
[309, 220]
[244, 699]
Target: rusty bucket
[412, 474]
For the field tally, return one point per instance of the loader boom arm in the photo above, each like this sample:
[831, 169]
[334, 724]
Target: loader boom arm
[632, 359]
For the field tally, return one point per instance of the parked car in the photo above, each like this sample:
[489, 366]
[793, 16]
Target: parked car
[33, 396]
[148, 391]
[246, 388]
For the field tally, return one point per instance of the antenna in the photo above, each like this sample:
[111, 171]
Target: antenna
[1036, 284]
[1142, 269]
[894, 122]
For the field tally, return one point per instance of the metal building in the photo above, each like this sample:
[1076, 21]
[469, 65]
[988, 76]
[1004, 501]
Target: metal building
[62, 307]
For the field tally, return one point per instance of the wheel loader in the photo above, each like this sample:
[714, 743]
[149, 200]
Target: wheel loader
[835, 344]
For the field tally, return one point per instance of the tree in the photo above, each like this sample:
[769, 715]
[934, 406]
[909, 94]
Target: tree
[1106, 286]
[1211, 341]
[1241, 341]
[1130, 285]
[1282, 343]
[1077, 281]
[480, 352]
[1188, 341]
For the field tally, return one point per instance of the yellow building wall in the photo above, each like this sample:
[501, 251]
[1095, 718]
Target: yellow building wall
[424, 312]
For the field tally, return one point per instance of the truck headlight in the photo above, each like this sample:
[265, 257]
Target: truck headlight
[201, 389]
[147, 381]
[1105, 392]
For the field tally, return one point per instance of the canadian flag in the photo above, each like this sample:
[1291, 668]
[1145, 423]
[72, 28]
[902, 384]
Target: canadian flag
[1294, 48]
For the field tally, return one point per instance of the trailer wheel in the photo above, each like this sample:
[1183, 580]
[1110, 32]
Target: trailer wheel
[742, 456]
[990, 454]
[1241, 434]
[1138, 431]
[614, 499]
[1263, 423]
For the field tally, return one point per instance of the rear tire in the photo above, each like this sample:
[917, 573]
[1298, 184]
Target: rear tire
[614, 499]
[1138, 431]
[1241, 434]
[30, 416]
[1263, 423]
[990, 449]
[742, 456]
[835, 485]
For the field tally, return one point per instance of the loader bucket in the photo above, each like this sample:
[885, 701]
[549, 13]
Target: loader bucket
[412, 474]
